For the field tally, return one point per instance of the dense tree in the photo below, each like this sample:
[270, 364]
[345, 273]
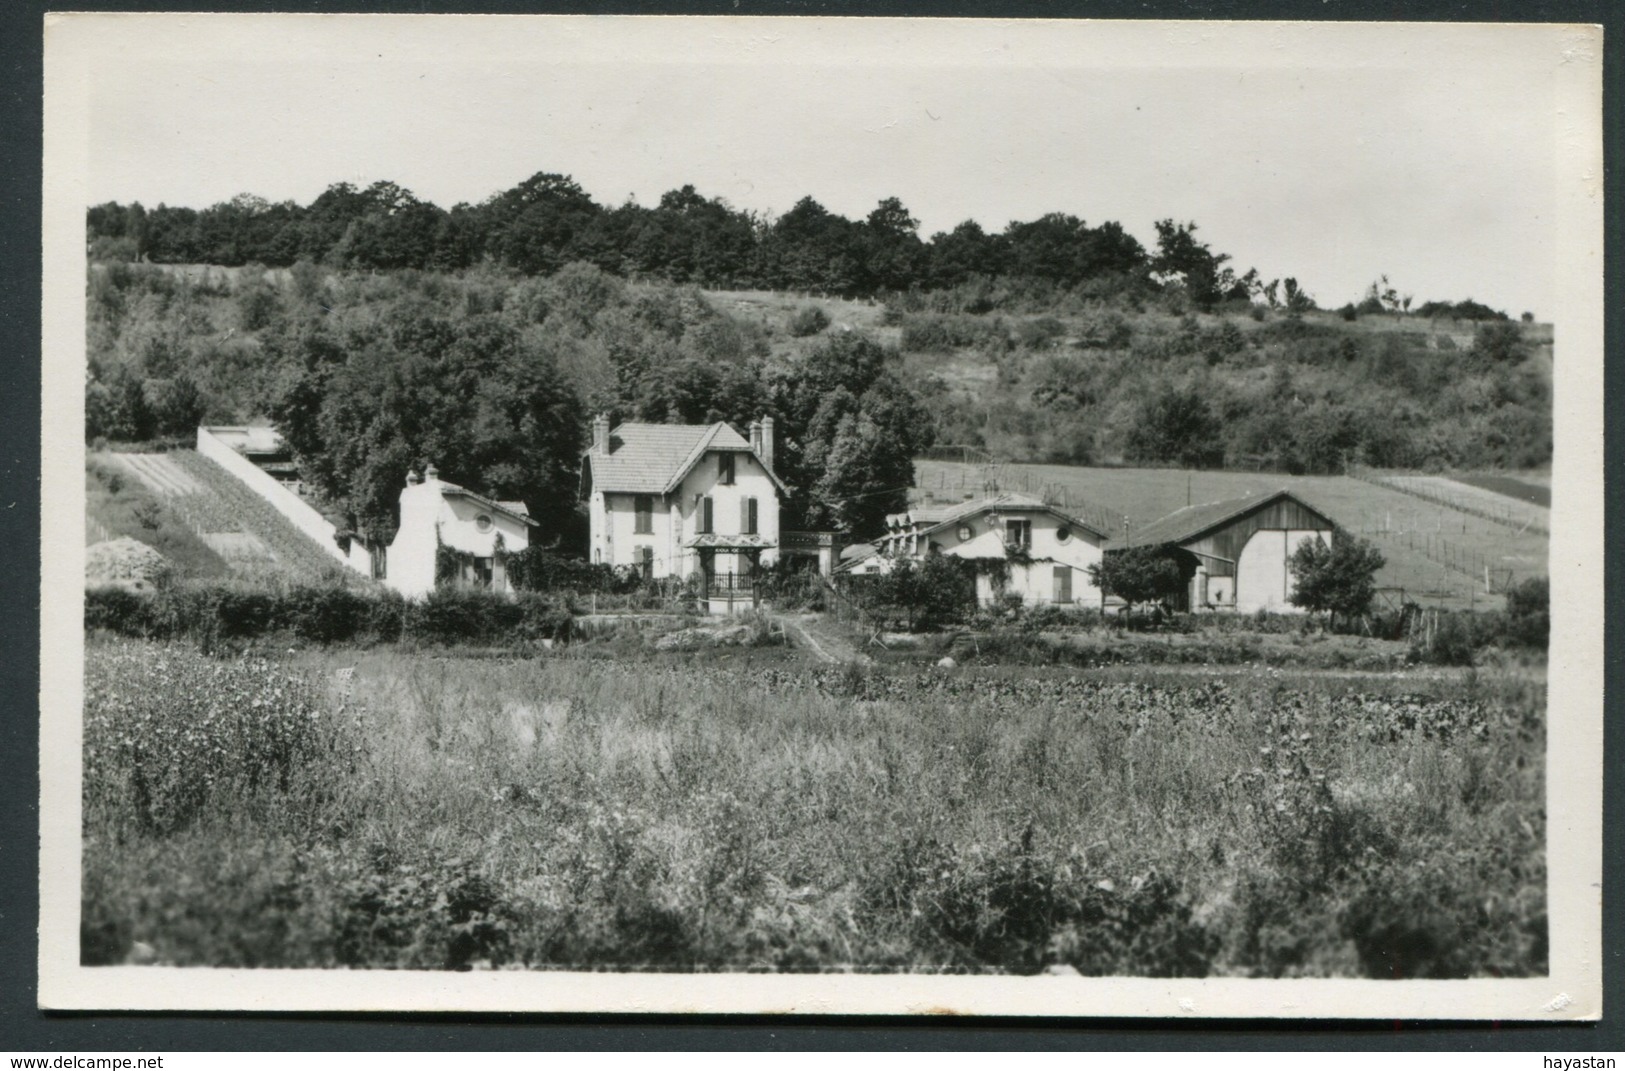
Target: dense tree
[548, 220]
[532, 226]
[469, 396]
[1137, 575]
[849, 433]
[892, 249]
[925, 594]
[1339, 579]
[1180, 255]
[1176, 425]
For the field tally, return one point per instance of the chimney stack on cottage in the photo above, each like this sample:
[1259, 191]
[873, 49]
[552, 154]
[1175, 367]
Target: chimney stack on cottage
[412, 478]
[430, 473]
[761, 440]
[600, 433]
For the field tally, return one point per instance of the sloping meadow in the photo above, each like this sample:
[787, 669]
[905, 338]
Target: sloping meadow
[374, 809]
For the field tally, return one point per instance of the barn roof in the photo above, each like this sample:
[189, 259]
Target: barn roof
[652, 459]
[926, 519]
[1193, 522]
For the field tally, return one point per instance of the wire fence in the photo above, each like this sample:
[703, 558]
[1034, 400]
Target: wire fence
[1495, 578]
[1522, 518]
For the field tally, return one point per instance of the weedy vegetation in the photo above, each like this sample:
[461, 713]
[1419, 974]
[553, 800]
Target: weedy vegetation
[680, 812]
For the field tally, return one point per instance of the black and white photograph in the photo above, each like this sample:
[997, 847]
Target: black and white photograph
[822, 515]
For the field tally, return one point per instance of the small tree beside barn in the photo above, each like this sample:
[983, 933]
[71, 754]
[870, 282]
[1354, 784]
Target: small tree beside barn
[1138, 575]
[1337, 578]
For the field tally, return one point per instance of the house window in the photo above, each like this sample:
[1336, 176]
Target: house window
[643, 508]
[747, 520]
[1063, 583]
[725, 468]
[1019, 533]
[380, 562]
[703, 515]
[646, 561]
[483, 569]
[483, 523]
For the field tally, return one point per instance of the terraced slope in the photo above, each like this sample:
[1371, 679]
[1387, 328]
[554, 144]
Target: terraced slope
[239, 526]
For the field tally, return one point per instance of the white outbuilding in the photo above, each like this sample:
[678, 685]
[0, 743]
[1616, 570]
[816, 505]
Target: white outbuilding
[1032, 549]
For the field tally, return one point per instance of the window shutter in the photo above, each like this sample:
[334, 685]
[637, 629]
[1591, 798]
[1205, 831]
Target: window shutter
[748, 518]
[705, 515]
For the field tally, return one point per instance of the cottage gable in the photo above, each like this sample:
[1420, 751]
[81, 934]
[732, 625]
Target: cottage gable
[1044, 552]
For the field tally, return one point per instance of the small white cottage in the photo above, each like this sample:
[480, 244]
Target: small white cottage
[684, 500]
[435, 513]
[1034, 549]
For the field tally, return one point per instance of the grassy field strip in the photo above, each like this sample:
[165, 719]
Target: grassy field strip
[1485, 498]
[1381, 513]
[381, 808]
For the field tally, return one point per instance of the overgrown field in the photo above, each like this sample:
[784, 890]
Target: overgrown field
[374, 809]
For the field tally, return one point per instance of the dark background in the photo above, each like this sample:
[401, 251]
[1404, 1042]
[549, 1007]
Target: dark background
[23, 1027]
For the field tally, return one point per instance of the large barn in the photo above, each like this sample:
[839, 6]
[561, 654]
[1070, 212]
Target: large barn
[1234, 554]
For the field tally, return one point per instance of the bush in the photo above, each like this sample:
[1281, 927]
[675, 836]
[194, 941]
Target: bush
[942, 333]
[1528, 613]
[119, 610]
[539, 569]
[920, 595]
[451, 616]
[1445, 639]
[808, 320]
[791, 585]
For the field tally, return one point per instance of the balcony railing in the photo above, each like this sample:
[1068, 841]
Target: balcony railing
[730, 585]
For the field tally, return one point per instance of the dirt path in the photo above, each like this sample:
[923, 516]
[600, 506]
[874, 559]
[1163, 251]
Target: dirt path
[826, 644]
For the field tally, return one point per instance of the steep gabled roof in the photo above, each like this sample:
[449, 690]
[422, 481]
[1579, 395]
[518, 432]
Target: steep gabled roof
[652, 459]
[1193, 522]
[929, 519]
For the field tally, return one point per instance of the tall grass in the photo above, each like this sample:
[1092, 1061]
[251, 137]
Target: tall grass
[672, 813]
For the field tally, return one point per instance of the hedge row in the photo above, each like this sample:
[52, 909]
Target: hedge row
[224, 612]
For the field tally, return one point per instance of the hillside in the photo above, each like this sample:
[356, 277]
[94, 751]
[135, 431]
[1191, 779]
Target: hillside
[495, 374]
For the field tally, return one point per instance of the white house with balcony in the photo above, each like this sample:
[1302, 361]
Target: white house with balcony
[684, 500]
[1033, 549]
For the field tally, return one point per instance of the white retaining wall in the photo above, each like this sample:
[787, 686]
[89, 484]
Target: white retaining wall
[302, 515]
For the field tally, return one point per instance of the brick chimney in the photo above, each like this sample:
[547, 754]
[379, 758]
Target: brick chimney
[600, 433]
[762, 441]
